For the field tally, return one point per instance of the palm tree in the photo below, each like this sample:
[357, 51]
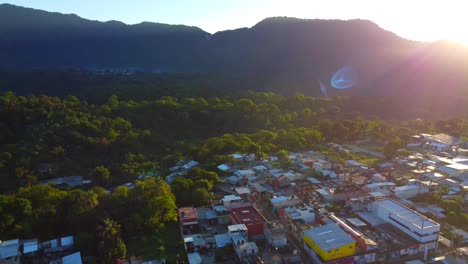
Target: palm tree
[109, 229]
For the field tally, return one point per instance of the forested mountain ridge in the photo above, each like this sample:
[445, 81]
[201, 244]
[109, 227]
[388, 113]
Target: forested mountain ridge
[278, 54]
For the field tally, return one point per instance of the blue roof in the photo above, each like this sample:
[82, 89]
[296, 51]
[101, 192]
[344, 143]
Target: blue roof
[278, 199]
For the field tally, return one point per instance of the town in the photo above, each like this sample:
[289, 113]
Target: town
[319, 211]
[308, 208]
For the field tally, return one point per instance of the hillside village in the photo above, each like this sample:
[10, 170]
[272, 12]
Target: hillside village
[324, 212]
[313, 209]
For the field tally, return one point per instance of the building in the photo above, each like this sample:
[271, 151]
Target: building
[251, 218]
[416, 225]
[243, 248]
[379, 186]
[453, 170]
[410, 190]
[188, 218]
[275, 234]
[74, 258]
[305, 213]
[9, 251]
[358, 179]
[282, 202]
[230, 200]
[72, 181]
[244, 173]
[328, 242]
[439, 142]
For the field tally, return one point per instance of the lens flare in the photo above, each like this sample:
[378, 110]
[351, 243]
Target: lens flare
[323, 88]
[344, 78]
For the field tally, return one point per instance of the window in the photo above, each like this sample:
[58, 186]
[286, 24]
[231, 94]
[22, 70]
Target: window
[336, 250]
[351, 246]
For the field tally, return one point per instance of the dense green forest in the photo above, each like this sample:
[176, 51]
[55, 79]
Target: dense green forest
[112, 143]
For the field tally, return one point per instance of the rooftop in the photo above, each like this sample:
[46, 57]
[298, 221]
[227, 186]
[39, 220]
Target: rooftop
[417, 220]
[223, 167]
[356, 222]
[229, 198]
[329, 237]
[9, 248]
[74, 258]
[238, 227]
[313, 180]
[242, 190]
[406, 187]
[379, 184]
[187, 212]
[30, 246]
[247, 215]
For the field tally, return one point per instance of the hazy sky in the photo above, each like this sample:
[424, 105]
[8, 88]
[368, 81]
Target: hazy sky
[426, 20]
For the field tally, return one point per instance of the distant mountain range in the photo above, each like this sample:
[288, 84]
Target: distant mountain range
[276, 53]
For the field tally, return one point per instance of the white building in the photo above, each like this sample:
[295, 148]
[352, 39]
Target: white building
[275, 234]
[243, 248]
[305, 213]
[416, 225]
[228, 200]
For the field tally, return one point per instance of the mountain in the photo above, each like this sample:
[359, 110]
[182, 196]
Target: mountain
[281, 54]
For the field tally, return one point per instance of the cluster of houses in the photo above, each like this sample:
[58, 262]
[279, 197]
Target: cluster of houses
[333, 213]
[314, 211]
[55, 251]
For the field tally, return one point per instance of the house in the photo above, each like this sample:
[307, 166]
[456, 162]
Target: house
[325, 194]
[188, 218]
[282, 202]
[243, 192]
[282, 182]
[259, 168]
[230, 200]
[358, 179]
[275, 234]
[251, 218]
[223, 167]
[222, 214]
[439, 142]
[409, 191]
[453, 170]
[244, 249]
[56, 245]
[377, 177]
[234, 180]
[329, 173]
[449, 182]
[386, 166]
[74, 258]
[9, 251]
[328, 242]
[222, 240]
[190, 165]
[244, 173]
[30, 247]
[433, 176]
[379, 186]
[305, 213]
[72, 181]
[194, 258]
[313, 180]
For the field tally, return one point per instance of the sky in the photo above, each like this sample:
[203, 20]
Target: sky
[424, 20]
